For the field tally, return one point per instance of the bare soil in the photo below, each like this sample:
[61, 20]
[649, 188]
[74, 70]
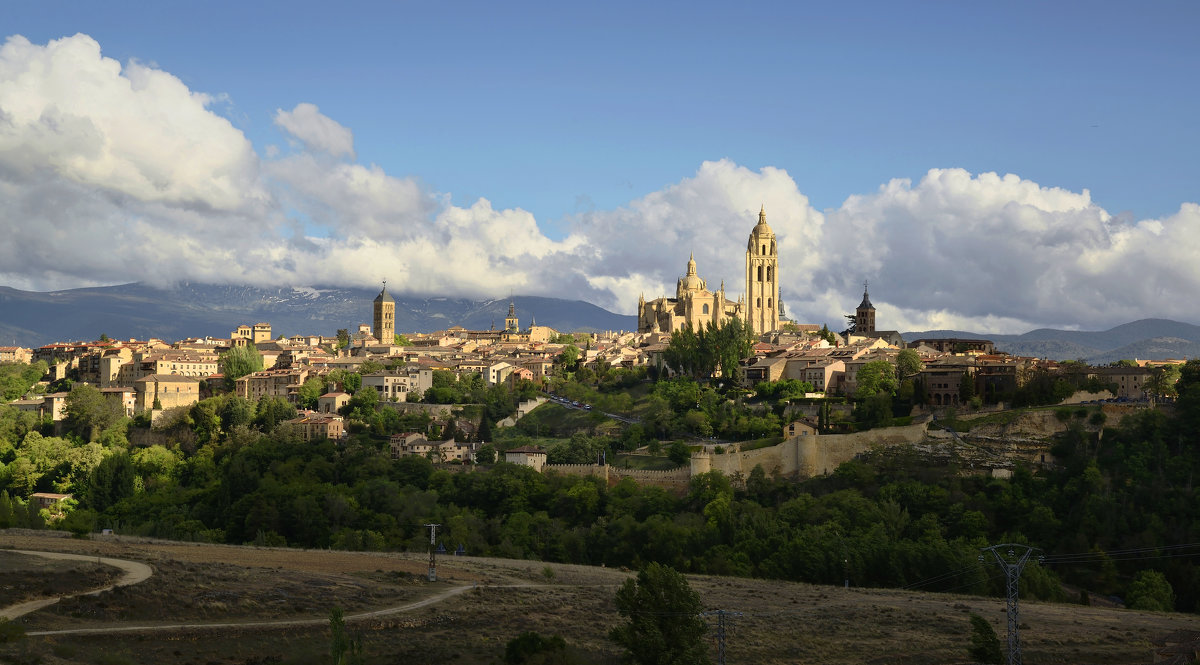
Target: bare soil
[24, 577]
[780, 622]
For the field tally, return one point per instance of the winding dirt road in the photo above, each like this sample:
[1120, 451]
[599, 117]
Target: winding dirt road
[286, 623]
[132, 573]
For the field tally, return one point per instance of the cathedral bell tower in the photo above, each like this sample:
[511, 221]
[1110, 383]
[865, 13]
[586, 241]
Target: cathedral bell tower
[762, 278]
[384, 310]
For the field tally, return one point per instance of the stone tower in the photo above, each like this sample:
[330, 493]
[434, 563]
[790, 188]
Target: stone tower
[762, 278]
[864, 316]
[510, 323]
[385, 316]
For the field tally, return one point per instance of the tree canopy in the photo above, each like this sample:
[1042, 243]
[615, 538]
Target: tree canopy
[662, 619]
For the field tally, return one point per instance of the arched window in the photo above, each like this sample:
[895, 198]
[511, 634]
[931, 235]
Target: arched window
[769, 303]
[760, 273]
[704, 309]
[758, 302]
[768, 273]
[772, 247]
[764, 249]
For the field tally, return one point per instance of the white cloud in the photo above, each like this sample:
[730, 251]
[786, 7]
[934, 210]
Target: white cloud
[112, 173]
[317, 131]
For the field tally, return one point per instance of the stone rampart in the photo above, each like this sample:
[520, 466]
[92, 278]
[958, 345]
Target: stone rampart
[582, 470]
[806, 456]
[421, 407]
[676, 479]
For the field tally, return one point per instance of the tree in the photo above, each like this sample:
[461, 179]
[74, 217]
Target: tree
[531, 647]
[569, 358]
[486, 454]
[662, 619]
[1162, 380]
[346, 649]
[679, 453]
[89, 412]
[985, 645]
[238, 362]
[343, 337]
[875, 377]
[1152, 592]
[908, 364]
[401, 340]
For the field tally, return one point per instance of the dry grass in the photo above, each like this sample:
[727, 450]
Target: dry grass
[781, 622]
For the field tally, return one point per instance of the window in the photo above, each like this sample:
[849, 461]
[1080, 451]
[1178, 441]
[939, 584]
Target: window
[704, 310]
[758, 302]
[768, 303]
[768, 273]
[760, 273]
[764, 249]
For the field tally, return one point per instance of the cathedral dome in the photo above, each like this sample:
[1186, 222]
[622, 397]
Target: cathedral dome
[691, 281]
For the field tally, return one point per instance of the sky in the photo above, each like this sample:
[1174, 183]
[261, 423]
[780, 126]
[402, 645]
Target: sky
[994, 167]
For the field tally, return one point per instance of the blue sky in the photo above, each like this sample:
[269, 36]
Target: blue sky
[584, 115]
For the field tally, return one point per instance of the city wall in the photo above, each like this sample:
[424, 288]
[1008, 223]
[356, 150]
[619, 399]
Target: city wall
[806, 456]
[675, 479]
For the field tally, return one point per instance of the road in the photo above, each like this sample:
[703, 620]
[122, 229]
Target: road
[285, 623]
[133, 572]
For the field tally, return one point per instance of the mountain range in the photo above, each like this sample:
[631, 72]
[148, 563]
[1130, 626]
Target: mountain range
[1147, 339]
[29, 318]
[140, 311]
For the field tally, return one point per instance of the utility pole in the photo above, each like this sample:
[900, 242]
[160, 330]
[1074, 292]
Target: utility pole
[1012, 562]
[721, 614]
[432, 552]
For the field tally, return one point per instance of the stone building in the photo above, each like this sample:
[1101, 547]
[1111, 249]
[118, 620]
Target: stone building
[384, 310]
[762, 277]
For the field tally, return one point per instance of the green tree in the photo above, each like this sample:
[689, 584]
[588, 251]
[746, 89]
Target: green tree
[238, 362]
[530, 647]
[679, 453]
[401, 340]
[908, 365]
[985, 645]
[310, 391]
[662, 619]
[877, 376]
[1162, 380]
[1152, 592]
[273, 410]
[344, 648]
[112, 480]
[486, 454]
[89, 412]
[343, 338]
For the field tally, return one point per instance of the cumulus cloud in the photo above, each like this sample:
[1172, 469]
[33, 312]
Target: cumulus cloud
[317, 131]
[112, 173]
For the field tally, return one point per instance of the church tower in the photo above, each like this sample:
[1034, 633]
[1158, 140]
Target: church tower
[864, 316]
[762, 278]
[385, 317]
[510, 323]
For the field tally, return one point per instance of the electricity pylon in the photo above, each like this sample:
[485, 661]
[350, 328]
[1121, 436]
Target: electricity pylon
[1012, 561]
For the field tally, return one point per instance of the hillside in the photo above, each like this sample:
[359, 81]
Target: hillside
[199, 584]
[1147, 339]
[196, 310]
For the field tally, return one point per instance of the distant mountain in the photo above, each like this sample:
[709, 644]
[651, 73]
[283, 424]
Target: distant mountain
[1147, 339]
[197, 310]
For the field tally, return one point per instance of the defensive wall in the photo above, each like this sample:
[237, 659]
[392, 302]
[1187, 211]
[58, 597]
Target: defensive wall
[422, 407]
[675, 479]
[806, 456]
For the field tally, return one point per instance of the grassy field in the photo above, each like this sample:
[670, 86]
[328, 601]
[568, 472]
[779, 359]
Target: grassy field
[781, 622]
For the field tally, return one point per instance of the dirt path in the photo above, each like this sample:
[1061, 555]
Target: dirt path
[287, 623]
[132, 573]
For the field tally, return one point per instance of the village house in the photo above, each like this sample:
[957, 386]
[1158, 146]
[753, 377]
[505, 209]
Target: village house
[315, 426]
[530, 456]
[168, 390]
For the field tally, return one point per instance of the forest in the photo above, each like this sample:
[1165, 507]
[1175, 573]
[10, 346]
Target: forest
[1115, 517]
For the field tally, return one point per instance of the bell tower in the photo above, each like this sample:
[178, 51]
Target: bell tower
[762, 278]
[385, 316]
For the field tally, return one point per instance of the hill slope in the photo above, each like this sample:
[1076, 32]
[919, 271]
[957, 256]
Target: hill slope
[196, 310]
[1147, 339]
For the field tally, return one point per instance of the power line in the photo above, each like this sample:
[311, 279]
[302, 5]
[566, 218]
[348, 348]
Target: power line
[721, 614]
[432, 552]
[1012, 562]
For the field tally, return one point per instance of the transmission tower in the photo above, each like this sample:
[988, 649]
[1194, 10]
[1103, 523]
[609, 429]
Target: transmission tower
[1012, 559]
[432, 551]
[721, 614]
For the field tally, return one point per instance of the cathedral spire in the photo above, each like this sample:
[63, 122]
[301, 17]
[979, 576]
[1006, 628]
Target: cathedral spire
[691, 269]
[762, 214]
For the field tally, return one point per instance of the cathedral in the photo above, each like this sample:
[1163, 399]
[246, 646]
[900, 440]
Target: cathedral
[695, 305]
